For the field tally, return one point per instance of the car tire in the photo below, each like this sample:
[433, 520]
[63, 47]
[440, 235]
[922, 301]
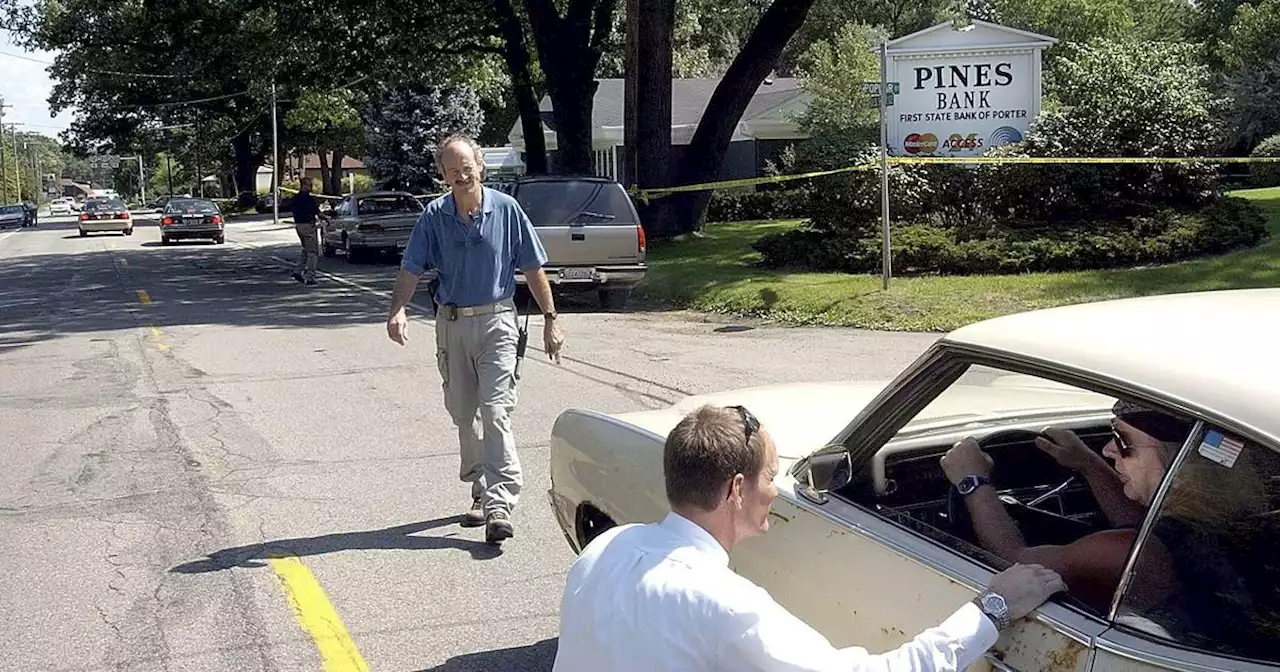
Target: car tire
[355, 255]
[165, 240]
[329, 251]
[128, 231]
[83, 233]
[614, 299]
[220, 239]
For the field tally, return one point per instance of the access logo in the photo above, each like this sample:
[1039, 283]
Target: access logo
[920, 143]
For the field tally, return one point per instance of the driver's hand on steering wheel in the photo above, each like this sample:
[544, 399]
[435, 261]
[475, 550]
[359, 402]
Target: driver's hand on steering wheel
[966, 458]
[1068, 450]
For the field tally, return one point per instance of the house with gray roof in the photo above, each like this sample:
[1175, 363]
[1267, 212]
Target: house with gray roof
[767, 127]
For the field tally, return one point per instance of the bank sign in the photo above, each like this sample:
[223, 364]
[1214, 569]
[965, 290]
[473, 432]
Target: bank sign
[963, 92]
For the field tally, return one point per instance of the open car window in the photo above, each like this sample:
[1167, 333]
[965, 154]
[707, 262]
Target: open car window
[1051, 508]
[1207, 576]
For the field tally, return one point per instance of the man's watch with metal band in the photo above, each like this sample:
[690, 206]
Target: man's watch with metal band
[551, 315]
[970, 483]
[994, 606]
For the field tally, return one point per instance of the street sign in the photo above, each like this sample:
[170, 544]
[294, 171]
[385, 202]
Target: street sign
[100, 161]
[873, 88]
[875, 100]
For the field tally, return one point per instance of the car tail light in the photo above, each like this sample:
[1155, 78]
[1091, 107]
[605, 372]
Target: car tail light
[640, 241]
[84, 216]
[216, 219]
[167, 221]
[369, 227]
[122, 215]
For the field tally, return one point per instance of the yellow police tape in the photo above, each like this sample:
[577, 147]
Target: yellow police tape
[647, 194]
[339, 198]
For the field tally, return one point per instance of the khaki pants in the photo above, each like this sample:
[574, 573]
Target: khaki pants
[477, 359]
[309, 236]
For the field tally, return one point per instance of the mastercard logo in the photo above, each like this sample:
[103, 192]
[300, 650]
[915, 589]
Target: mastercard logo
[920, 143]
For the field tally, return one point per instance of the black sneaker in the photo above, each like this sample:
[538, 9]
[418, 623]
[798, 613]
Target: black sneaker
[474, 517]
[298, 276]
[310, 281]
[498, 527]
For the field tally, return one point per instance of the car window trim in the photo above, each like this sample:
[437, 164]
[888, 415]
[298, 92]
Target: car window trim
[1147, 648]
[598, 190]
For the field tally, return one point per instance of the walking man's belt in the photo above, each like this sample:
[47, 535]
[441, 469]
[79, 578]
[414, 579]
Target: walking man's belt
[452, 312]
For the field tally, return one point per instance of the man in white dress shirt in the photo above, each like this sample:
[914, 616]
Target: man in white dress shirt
[662, 597]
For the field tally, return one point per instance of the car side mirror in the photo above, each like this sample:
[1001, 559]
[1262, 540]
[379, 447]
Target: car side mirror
[830, 468]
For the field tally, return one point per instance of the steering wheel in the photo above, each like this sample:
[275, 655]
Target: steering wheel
[1048, 526]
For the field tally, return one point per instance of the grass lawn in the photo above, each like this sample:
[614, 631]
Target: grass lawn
[715, 273]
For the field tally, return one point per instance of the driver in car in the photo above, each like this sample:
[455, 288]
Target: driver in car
[1142, 445]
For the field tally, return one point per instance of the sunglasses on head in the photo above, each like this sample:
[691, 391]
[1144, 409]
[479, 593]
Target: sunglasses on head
[749, 422]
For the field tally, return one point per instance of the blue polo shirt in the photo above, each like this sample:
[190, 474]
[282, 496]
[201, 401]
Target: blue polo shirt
[477, 262]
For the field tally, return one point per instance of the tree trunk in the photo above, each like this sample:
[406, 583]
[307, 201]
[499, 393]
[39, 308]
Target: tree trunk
[569, 50]
[655, 27]
[322, 155]
[516, 53]
[706, 152]
[246, 168]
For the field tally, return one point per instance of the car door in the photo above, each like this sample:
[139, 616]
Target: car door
[1217, 516]
[864, 578]
[862, 581]
[583, 224]
[334, 227]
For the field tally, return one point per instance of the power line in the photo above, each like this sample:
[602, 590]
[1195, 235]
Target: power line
[98, 71]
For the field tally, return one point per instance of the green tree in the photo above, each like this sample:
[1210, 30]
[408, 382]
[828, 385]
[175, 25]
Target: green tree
[323, 122]
[405, 126]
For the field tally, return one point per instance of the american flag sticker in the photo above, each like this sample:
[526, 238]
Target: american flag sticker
[1220, 448]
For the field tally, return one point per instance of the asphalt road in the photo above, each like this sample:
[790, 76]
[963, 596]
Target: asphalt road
[206, 463]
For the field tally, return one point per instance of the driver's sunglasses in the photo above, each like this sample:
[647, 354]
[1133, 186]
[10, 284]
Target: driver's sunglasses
[749, 422]
[1121, 444]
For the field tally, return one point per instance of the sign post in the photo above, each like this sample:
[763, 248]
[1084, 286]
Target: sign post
[884, 99]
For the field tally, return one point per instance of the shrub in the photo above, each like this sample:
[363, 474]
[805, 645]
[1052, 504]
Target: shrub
[1266, 174]
[1161, 237]
[740, 206]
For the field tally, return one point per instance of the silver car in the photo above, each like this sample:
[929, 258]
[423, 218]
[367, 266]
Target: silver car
[368, 223]
[591, 232]
[14, 215]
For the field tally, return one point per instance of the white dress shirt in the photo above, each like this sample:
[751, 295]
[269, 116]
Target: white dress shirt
[662, 597]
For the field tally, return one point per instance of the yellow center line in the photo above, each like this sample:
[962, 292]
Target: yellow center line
[156, 333]
[143, 297]
[317, 616]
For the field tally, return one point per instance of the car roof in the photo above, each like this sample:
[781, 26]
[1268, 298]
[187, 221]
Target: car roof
[1214, 350]
[564, 178]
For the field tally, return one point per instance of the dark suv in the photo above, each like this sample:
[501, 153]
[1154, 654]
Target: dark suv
[591, 232]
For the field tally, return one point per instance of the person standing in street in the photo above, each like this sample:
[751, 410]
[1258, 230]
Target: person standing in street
[472, 241]
[661, 596]
[306, 210]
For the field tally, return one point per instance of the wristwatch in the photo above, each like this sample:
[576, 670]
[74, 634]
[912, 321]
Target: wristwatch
[551, 315]
[971, 482]
[994, 606]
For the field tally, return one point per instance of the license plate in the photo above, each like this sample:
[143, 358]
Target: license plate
[577, 273]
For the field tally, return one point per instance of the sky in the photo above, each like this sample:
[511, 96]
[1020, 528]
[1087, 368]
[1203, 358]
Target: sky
[26, 86]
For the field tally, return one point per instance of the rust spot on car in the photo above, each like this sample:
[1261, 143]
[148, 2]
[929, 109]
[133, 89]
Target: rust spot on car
[780, 516]
[1064, 659]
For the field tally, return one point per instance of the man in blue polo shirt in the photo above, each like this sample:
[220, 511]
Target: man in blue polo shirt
[473, 240]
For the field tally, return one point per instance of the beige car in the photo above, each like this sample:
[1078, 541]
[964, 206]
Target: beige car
[591, 232]
[363, 225]
[870, 543]
[101, 215]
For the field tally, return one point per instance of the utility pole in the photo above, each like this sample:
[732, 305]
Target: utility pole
[275, 160]
[142, 183]
[4, 164]
[17, 164]
[199, 173]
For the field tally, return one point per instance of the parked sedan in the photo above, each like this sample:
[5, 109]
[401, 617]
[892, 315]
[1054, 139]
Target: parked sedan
[368, 223]
[14, 214]
[105, 214]
[187, 218]
[591, 232]
[871, 543]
